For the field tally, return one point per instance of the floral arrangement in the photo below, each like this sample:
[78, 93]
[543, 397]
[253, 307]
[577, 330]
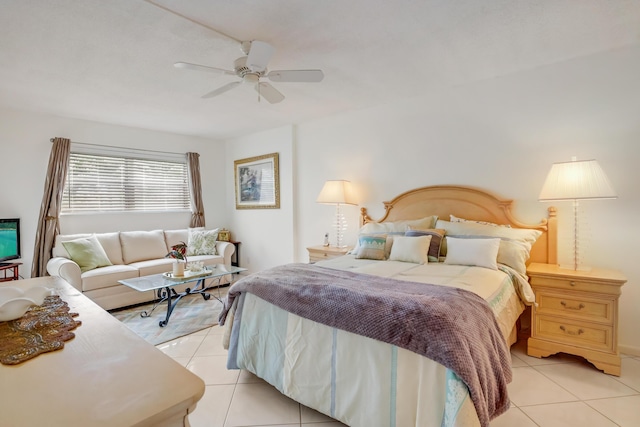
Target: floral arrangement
[178, 251]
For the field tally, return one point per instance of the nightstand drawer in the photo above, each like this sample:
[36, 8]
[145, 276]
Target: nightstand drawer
[569, 305]
[575, 285]
[597, 337]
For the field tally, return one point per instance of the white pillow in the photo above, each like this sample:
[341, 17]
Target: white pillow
[515, 242]
[410, 249]
[475, 252]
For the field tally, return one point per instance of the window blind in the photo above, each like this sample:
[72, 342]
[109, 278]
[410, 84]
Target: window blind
[98, 183]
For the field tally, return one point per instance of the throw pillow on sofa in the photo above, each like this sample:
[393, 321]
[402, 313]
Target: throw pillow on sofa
[87, 253]
[202, 242]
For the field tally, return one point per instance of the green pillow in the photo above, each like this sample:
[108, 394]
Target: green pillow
[372, 247]
[87, 253]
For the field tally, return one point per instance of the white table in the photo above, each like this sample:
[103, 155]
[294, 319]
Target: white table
[105, 376]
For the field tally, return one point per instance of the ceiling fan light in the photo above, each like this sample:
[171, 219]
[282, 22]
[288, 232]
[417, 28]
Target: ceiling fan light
[251, 78]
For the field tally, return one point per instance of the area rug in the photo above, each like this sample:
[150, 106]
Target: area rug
[192, 313]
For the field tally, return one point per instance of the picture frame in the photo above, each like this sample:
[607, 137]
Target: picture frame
[257, 182]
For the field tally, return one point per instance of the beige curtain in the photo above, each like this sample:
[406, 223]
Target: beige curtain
[48, 225]
[195, 189]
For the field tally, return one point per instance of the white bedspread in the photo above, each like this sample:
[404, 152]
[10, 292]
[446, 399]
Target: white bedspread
[358, 380]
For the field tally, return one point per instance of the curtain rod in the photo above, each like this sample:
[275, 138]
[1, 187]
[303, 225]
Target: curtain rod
[121, 148]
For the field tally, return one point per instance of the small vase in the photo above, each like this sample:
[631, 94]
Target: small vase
[178, 269]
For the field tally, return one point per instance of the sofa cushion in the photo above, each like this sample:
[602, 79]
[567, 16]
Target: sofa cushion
[111, 244]
[87, 253]
[59, 250]
[153, 266]
[173, 237]
[105, 277]
[142, 245]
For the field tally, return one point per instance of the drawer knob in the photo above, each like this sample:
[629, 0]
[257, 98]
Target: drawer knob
[567, 331]
[572, 283]
[569, 307]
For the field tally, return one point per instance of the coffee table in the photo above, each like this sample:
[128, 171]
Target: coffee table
[164, 285]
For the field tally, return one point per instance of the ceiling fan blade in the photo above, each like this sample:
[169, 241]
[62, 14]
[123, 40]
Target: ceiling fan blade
[269, 92]
[307, 76]
[221, 90]
[259, 55]
[188, 66]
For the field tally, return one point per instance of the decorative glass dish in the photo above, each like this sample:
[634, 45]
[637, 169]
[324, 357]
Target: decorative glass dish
[14, 302]
[188, 274]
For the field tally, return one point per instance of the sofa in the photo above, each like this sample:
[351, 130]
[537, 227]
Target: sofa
[130, 254]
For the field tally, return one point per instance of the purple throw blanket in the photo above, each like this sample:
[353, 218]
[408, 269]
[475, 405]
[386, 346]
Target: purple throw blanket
[451, 326]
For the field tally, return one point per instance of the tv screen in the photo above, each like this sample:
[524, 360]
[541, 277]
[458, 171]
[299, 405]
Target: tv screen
[9, 238]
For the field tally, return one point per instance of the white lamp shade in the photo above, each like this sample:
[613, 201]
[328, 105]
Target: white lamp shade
[576, 180]
[337, 192]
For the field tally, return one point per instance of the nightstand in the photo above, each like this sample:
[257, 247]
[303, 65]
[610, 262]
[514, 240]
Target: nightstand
[577, 313]
[320, 253]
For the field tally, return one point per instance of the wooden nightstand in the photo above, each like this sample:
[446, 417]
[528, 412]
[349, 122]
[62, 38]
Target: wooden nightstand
[577, 313]
[320, 253]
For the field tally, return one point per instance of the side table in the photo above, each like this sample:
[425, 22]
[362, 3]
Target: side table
[235, 258]
[320, 253]
[11, 267]
[577, 313]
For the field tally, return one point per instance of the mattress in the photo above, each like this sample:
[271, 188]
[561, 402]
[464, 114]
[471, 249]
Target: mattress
[358, 380]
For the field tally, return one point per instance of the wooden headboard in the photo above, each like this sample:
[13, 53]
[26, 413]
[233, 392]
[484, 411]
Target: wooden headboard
[468, 203]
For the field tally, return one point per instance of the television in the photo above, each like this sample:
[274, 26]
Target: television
[9, 239]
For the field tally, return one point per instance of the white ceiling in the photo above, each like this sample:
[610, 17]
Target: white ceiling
[111, 61]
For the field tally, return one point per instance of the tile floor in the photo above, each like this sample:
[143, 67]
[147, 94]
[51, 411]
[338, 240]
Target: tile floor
[560, 390]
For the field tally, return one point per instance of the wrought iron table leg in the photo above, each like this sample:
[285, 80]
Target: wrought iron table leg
[171, 304]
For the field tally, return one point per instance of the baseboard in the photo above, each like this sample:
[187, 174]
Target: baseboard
[629, 350]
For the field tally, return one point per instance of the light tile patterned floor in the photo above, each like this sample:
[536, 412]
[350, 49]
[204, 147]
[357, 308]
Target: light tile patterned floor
[560, 390]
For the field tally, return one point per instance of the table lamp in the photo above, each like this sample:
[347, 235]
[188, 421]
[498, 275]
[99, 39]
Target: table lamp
[574, 181]
[337, 192]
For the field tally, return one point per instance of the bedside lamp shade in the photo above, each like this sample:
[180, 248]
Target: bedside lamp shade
[337, 192]
[574, 181]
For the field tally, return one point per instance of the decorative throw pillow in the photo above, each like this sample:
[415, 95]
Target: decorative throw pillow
[87, 253]
[202, 242]
[474, 252]
[410, 249]
[454, 218]
[515, 243]
[437, 236]
[371, 247]
[394, 228]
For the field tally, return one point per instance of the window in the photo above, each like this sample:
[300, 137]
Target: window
[100, 183]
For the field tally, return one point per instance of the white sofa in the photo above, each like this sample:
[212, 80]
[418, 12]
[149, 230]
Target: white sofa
[133, 254]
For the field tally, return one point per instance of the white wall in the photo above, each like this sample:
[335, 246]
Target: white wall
[25, 149]
[501, 135]
[267, 235]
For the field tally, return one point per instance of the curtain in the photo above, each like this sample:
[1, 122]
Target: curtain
[48, 224]
[195, 190]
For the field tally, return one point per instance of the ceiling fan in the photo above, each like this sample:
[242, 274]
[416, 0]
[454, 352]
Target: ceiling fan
[252, 67]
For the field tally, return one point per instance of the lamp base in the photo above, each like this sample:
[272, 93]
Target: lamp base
[573, 268]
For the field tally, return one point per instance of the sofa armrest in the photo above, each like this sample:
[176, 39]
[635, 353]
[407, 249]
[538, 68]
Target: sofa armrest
[67, 269]
[226, 249]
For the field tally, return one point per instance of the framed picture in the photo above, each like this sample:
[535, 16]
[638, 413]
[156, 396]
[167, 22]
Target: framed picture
[257, 182]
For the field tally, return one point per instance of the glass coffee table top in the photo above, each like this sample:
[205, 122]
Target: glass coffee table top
[164, 280]
[164, 284]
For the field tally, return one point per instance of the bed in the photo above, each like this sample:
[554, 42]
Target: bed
[398, 341]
